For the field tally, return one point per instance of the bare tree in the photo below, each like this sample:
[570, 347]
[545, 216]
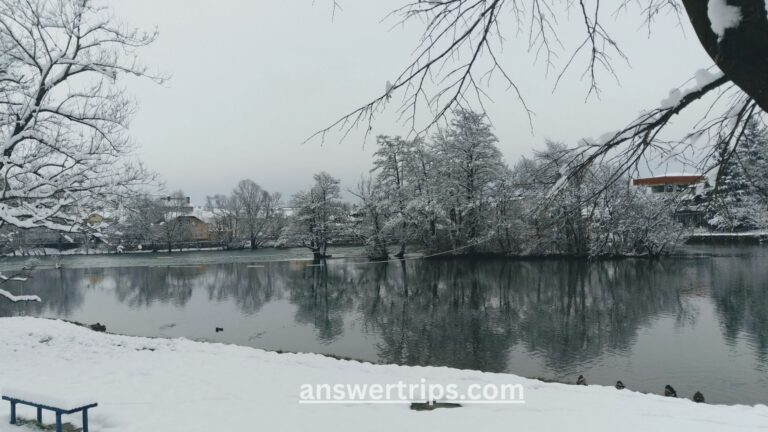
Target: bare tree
[457, 57]
[259, 211]
[143, 213]
[172, 227]
[226, 215]
[63, 116]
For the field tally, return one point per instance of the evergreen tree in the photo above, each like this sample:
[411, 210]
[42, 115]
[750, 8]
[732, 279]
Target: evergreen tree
[738, 201]
[753, 157]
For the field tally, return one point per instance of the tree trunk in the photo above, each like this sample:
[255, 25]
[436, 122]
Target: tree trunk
[317, 254]
[401, 253]
[742, 54]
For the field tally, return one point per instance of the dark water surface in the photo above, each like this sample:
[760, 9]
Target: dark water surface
[698, 322]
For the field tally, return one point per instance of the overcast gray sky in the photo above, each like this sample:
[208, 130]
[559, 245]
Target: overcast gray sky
[251, 79]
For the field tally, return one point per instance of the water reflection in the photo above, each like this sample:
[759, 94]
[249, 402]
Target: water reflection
[554, 317]
[740, 292]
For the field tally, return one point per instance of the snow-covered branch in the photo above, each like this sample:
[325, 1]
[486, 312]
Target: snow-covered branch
[459, 54]
[21, 298]
[16, 298]
[64, 146]
[625, 148]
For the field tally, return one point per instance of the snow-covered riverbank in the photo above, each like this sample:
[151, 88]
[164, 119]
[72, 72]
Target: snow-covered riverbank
[178, 385]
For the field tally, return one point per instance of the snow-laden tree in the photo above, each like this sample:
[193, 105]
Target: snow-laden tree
[591, 216]
[423, 208]
[469, 167]
[461, 198]
[443, 193]
[319, 216]
[370, 224]
[624, 220]
[506, 214]
[397, 171]
[557, 222]
[64, 146]
[63, 117]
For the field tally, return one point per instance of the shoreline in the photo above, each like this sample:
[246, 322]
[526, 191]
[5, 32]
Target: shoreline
[177, 384]
[695, 239]
[342, 358]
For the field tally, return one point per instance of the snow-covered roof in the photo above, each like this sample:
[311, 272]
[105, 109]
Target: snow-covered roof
[203, 214]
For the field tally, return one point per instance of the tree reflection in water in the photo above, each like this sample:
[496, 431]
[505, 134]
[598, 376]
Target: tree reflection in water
[461, 313]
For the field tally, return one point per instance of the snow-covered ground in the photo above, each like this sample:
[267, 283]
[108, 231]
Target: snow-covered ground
[146, 384]
[706, 233]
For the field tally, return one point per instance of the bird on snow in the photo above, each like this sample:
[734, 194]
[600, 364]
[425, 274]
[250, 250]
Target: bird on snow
[219, 329]
[98, 327]
[388, 90]
[669, 391]
[698, 397]
[581, 380]
[620, 385]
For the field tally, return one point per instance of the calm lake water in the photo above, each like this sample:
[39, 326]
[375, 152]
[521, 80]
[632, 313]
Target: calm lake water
[697, 322]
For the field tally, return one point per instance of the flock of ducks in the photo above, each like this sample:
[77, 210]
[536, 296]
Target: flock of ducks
[669, 391]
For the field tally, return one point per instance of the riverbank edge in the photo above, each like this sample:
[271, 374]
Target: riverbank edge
[96, 327]
[177, 384]
[695, 238]
[102, 328]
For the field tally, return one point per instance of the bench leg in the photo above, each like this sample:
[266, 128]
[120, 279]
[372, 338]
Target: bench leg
[85, 420]
[13, 413]
[40, 415]
[58, 422]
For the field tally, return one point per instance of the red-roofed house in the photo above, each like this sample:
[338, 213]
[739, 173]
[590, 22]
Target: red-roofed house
[672, 183]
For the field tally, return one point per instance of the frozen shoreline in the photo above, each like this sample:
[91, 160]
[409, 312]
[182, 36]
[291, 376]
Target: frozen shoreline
[179, 385]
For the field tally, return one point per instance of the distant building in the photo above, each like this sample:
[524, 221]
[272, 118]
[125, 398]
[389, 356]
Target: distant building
[690, 188]
[677, 183]
[194, 228]
[181, 204]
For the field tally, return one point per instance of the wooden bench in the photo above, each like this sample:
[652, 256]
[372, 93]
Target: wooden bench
[59, 411]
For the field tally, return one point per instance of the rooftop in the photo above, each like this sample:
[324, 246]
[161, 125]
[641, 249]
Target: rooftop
[670, 179]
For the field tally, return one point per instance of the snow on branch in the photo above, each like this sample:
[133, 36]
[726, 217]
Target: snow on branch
[5, 278]
[64, 144]
[625, 148]
[16, 299]
[458, 56]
